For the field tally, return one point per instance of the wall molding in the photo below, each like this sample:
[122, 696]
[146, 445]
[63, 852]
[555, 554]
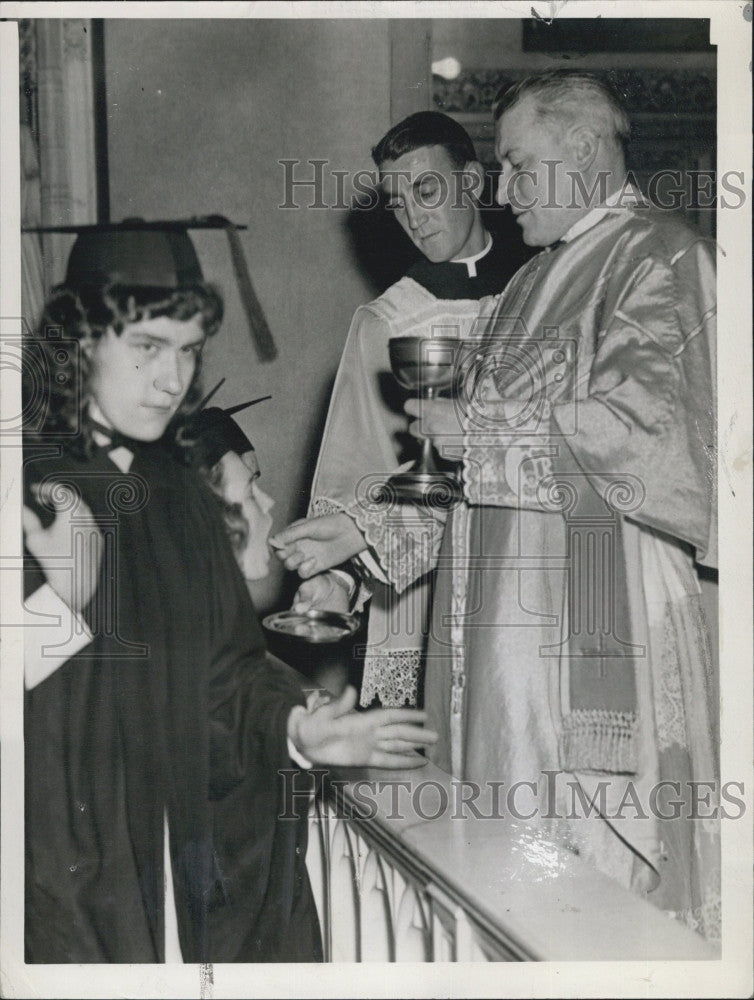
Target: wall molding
[644, 91]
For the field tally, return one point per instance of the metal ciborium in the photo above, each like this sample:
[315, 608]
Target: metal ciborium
[425, 366]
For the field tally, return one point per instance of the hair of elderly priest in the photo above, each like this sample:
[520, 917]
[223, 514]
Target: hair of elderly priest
[568, 97]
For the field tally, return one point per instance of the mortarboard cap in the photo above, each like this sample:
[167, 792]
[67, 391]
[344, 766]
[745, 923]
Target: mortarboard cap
[134, 257]
[158, 254]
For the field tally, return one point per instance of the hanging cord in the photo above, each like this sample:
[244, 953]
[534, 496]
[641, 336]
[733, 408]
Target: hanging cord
[260, 331]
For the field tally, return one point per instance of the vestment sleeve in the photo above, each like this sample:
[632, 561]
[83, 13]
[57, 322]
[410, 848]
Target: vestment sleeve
[359, 446]
[404, 537]
[649, 416]
[644, 415]
[359, 452]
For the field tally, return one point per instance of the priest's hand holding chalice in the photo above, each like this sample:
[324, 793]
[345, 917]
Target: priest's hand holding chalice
[315, 545]
[428, 366]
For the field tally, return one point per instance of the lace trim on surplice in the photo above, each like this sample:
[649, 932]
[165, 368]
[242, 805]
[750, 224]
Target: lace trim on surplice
[321, 507]
[705, 919]
[392, 677]
[405, 538]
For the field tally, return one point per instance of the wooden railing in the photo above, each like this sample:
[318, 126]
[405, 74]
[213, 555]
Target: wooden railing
[395, 885]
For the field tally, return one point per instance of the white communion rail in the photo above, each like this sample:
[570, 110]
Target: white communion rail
[393, 884]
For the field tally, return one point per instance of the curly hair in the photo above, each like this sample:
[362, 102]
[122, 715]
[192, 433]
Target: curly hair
[235, 521]
[56, 372]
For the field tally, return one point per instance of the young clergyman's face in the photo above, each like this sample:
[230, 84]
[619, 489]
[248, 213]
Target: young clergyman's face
[240, 475]
[141, 376]
[430, 199]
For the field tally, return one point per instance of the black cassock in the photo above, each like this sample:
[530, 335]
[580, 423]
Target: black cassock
[172, 710]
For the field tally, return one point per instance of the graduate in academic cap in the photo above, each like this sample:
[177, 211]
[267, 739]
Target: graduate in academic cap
[155, 731]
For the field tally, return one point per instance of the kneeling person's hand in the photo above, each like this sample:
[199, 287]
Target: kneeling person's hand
[382, 737]
[323, 592]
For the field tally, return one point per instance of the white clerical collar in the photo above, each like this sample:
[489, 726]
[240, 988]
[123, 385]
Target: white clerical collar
[626, 196]
[470, 262]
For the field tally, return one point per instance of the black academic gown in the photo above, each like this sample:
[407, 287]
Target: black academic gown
[172, 709]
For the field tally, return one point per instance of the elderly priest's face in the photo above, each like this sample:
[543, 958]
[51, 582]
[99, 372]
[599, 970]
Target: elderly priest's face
[538, 161]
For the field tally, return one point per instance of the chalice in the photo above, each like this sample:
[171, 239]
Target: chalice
[426, 366]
